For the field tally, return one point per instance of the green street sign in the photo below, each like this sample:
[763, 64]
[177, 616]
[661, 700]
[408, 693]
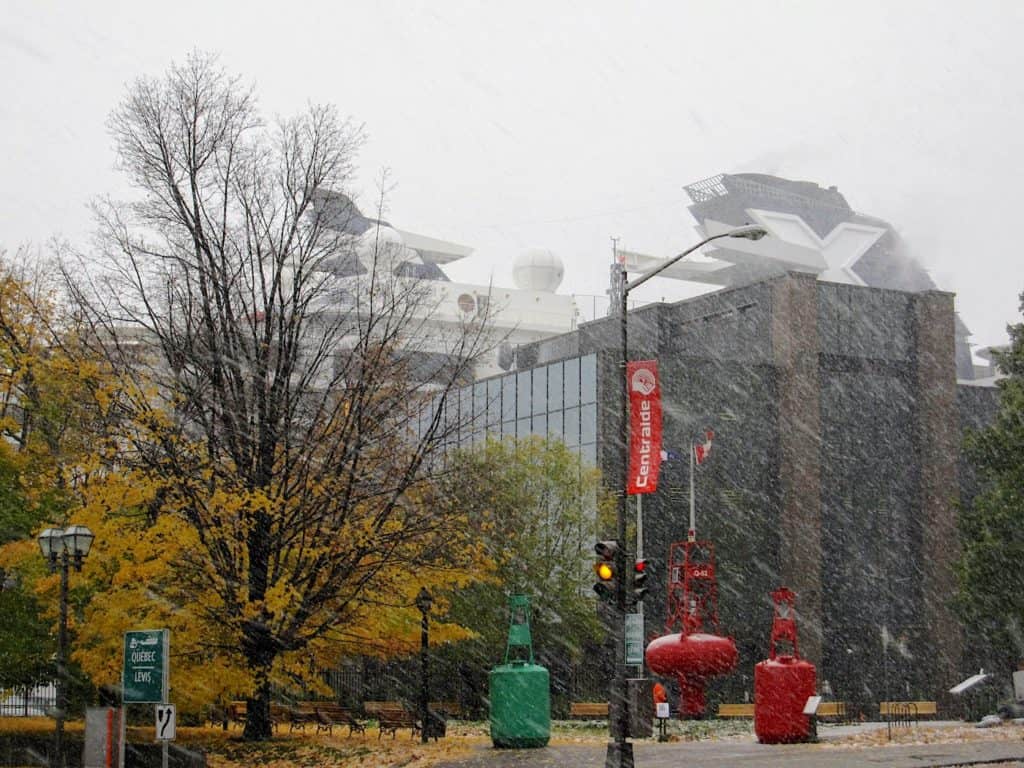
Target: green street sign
[634, 638]
[145, 673]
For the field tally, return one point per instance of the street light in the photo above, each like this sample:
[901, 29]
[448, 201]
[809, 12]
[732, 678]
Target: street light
[620, 751]
[423, 602]
[61, 550]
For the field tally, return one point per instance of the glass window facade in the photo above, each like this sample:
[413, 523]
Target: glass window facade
[557, 400]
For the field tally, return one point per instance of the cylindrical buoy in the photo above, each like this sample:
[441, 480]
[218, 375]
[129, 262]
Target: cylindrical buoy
[783, 682]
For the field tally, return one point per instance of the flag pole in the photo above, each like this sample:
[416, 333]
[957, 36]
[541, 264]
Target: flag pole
[692, 535]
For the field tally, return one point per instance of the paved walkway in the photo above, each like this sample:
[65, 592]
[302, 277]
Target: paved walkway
[750, 754]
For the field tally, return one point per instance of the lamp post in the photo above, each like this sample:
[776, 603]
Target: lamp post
[61, 550]
[620, 751]
[423, 602]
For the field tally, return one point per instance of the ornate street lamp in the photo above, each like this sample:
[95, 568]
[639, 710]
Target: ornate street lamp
[64, 548]
[423, 601]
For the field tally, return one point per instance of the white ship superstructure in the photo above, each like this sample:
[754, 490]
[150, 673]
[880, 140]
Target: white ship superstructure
[527, 312]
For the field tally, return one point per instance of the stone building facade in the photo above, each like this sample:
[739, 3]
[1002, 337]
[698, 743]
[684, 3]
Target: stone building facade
[836, 467]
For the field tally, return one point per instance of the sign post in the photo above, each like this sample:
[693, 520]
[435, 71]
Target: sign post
[145, 679]
[145, 666]
[634, 638]
[166, 721]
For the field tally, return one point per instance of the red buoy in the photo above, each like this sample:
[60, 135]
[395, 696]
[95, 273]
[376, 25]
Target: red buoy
[692, 659]
[693, 654]
[783, 682]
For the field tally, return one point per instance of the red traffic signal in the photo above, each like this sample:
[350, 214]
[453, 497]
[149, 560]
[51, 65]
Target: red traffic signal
[639, 583]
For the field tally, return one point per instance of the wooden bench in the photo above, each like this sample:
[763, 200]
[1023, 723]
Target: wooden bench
[587, 709]
[835, 709]
[217, 716]
[832, 709]
[236, 711]
[329, 715]
[373, 707]
[903, 708]
[392, 719]
[302, 713]
[735, 710]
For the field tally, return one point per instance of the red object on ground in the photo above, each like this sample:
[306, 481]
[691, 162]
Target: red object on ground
[783, 682]
[693, 654]
[692, 659]
[660, 694]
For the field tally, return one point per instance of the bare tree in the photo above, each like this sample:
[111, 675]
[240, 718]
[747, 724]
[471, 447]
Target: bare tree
[267, 385]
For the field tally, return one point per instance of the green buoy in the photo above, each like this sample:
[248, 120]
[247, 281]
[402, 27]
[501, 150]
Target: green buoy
[520, 689]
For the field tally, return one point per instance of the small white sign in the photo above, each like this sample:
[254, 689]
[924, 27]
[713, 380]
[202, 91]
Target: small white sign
[811, 707]
[662, 711]
[969, 683]
[165, 722]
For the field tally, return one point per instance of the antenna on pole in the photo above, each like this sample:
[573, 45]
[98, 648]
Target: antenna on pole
[617, 279]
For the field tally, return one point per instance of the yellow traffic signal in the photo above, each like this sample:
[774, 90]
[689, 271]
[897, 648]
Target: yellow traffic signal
[606, 584]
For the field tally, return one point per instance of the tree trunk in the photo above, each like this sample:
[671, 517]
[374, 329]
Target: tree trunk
[258, 726]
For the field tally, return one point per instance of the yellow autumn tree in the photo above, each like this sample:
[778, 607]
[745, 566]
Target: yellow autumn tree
[54, 419]
[273, 386]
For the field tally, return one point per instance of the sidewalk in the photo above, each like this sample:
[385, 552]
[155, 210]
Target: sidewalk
[750, 754]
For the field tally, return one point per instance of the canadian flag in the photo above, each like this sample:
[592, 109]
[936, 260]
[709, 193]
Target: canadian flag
[701, 451]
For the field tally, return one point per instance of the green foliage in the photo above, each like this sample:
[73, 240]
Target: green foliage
[534, 504]
[991, 594]
[25, 642]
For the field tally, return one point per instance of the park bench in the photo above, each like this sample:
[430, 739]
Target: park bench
[832, 709]
[236, 712]
[329, 715]
[735, 710]
[302, 713]
[913, 709]
[395, 718]
[217, 716]
[373, 707]
[591, 709]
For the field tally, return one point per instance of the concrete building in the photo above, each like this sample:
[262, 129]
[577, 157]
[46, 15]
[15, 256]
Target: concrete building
[836, 467]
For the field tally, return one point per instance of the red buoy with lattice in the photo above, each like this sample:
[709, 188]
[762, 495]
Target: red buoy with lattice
[695, 652]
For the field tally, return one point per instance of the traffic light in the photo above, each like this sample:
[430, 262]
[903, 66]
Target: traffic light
[607, 552]
[639, 585]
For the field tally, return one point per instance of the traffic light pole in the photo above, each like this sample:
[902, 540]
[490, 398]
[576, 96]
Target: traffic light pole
[620, 751]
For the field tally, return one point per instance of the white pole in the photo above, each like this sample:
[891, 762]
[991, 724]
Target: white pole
[639, 527]
[692, 535]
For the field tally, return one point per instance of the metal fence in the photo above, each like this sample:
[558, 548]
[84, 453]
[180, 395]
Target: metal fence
[28, 702]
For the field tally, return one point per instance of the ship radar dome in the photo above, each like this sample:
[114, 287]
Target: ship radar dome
[537, 269]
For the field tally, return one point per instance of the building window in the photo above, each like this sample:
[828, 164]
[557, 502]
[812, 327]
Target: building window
[540, 391]
[540, 425]
[508, 398]
[588, 379]
[572, 382]
[572, 427]
[555, 387]
[555, 424]
[588, 423]
[493, 402]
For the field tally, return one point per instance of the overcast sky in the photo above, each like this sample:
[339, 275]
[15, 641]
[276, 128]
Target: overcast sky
[561, 124]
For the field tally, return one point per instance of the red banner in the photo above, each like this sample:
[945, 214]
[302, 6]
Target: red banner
[644, 426]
